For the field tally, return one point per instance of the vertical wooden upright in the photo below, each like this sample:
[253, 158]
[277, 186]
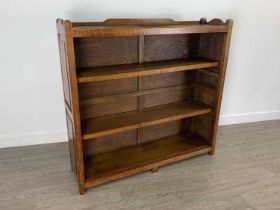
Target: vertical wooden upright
[222, 69]
[68, 69]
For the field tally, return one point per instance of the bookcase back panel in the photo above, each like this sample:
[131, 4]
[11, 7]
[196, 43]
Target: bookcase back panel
[173, 87]
[167, 96]
[166, 80]
[169, 47]
[205, 96]
[206, 80]
[109, 143]
[206, 89]
[211, 45]
[105, 51]
[164, 130]
[202, 125]
[106, 106]
[109, 87]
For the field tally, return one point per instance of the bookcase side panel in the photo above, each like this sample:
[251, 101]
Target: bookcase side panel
[70, 89]
[209, 90]
[220, 86]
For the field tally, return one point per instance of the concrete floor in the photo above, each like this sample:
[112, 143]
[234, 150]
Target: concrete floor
[244, 174]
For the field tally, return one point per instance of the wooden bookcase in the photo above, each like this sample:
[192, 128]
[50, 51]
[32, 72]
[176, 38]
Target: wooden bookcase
[140, 93]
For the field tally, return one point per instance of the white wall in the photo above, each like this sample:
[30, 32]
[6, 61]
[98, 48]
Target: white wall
[31, 98]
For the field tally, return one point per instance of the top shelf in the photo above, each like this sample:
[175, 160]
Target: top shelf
[102, 31]
[142, 69]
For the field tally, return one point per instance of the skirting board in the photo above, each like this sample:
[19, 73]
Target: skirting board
[61, 135]
[25, 139]
[231, 119]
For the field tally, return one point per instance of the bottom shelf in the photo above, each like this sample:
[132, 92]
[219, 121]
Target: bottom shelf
[134, 159]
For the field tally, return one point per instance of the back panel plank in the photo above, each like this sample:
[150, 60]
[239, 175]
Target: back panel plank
[168, 47]
[202, 125]
[164, 130]
[211, 46]
[105, 51]
[168, 96]
[109, 143]
[206, 79]
[108, 87]
[117, 105]
[166, 80]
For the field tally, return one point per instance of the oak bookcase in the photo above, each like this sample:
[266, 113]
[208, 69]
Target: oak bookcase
[140, 93]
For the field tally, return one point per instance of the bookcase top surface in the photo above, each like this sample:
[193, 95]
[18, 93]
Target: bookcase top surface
[136, 27]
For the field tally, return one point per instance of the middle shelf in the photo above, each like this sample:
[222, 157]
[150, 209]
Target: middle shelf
[106, 125]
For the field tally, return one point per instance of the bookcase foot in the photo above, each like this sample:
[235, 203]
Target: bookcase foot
[82, 190]
[154, 170]
[212, 152]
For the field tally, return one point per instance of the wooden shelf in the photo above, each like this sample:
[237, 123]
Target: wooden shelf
[109, 31]
[142, 69]
[101, 126]
[134, 159]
